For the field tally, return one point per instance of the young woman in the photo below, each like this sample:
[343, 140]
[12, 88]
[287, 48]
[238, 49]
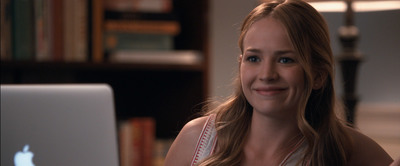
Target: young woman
[283, 110]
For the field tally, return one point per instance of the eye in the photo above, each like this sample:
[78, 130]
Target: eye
[253, 59]
[286, 60]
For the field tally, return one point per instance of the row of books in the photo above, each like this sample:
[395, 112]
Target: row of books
[147, 38]
[154, 6]
[138, 25]
[44, 30]
[138, 145]
[139, 31]
[64, 30]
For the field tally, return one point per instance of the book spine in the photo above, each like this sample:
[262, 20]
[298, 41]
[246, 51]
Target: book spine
[39, 29]
[97, 31]
[173, 57]
[114, 41]
[57, 29]
[137, 139]
[69, 49]
[23, 30]
[42, 30]
[75, 24]
[143, 26]
[163, 6]
[156, 6]
[125, 143]
[137, 142]
[6, 30]
[148, 128]
[49, 28]
[80, 31]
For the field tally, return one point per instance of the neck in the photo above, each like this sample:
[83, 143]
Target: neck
[271, 138]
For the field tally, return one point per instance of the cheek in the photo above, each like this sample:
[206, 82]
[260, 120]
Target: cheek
[245, 75]
[244, 79]
[296, 76]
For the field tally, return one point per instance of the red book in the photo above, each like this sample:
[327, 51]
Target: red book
[57, 29]
[143, 141]
[148, 128]
[137, 139]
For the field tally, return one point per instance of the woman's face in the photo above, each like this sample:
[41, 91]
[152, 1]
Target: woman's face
[271, 76]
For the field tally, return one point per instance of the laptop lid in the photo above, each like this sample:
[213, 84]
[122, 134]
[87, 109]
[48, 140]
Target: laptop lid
[58, 125]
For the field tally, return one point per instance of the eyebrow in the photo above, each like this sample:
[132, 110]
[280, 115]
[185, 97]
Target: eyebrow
[279, 52]
[253, 50]
[283, 52]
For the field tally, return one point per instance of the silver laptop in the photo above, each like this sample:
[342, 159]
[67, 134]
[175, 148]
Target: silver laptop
[58, 125]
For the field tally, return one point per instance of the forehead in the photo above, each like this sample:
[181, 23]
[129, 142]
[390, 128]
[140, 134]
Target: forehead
[267, 31]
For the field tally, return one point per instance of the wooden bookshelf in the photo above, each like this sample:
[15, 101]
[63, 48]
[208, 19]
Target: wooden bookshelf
[170, 93]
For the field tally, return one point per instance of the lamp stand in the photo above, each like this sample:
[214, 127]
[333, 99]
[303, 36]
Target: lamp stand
[349, 60]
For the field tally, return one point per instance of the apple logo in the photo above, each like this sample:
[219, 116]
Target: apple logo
[24, 157]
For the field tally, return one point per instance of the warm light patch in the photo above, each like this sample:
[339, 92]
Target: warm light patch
[358, 6]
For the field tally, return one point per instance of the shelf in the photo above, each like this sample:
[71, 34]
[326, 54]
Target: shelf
[171, 91]
[17, 65]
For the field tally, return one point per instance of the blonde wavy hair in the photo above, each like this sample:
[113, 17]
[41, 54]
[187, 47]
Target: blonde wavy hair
[328, 141]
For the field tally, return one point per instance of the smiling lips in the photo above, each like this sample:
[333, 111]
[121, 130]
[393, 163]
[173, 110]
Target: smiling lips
[269, 91]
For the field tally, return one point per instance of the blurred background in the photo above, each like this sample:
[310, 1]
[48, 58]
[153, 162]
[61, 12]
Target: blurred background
[164, 58]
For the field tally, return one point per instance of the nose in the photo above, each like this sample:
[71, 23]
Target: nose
[268, 72]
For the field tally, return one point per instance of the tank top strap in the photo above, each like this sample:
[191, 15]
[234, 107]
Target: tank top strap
[206, 142]
[296, 154]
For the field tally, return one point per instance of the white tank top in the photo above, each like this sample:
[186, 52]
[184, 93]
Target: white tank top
[208, 138]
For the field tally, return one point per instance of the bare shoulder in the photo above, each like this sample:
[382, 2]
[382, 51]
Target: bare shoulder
[183, 147]
[396, 162]
[366, 151]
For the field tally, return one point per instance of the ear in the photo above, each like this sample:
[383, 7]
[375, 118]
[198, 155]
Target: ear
[319, 81]
[240, 58]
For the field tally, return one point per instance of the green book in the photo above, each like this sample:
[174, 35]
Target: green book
[23, 30]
